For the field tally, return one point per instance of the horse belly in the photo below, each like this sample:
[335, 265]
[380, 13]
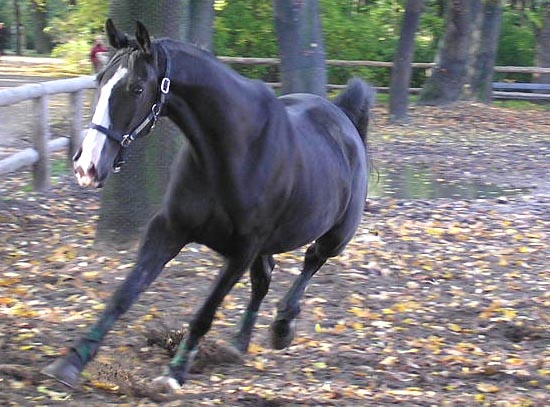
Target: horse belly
[304, 224]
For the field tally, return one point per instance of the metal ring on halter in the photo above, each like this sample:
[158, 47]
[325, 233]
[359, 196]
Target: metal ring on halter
[156, 111]
[127, 139]
[165, 85]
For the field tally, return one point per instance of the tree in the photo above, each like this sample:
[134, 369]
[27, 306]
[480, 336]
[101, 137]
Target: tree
[401, 70]
[39, 13]
[542, 33]
[448, 77]
[485, 57]
[18, 25]
[133, 195]
[298, 30]
[201, 23]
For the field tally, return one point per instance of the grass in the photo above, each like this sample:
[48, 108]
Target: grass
[522, 105]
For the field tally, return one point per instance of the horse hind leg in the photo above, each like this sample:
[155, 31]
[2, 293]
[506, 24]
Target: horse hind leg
[260, 276]
[329, 245]
[283, 327]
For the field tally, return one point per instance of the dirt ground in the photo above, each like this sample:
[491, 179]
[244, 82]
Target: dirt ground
[436, 302]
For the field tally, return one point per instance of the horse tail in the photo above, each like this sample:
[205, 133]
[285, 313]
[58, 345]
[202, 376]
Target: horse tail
[356, 102]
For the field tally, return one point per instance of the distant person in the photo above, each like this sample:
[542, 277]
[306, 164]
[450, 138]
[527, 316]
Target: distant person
[3, 38]
[99, 54]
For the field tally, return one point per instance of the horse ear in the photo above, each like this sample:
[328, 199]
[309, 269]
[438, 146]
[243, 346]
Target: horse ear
[116, 38]
[142, 37]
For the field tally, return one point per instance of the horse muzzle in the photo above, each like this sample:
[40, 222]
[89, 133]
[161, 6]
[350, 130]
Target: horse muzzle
[88, 177]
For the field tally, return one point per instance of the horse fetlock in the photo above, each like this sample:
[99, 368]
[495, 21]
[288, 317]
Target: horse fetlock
[181, 363]
[241, 341]
[65, 369]
[282, 333]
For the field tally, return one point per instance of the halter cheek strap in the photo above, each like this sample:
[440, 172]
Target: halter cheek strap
[146, 124]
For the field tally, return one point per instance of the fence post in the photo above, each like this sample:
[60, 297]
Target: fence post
[41, 169]
[77, 102]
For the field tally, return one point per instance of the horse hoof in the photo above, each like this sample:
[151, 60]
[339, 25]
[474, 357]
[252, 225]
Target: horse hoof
[241, 345]
[64, 371]
[282, 333]
[166, 384]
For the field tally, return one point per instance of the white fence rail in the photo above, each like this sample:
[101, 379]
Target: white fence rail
[39, 155]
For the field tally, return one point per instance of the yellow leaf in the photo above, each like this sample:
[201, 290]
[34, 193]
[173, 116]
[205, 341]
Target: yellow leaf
[435, 231]
[479, 397]
[259, 364]
[7, 301]
[105, 385]
[90, 275]
[254, 349]
[389, 361]
[454, 327]
[339, 328]
[509, 313]
[357, 326]
[515, 361]
[360, 312]
[487, 388]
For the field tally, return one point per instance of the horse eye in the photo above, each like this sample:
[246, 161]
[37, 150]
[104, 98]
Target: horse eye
[138, 90]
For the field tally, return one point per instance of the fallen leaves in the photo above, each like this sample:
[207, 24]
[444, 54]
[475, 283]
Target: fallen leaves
[435, 302]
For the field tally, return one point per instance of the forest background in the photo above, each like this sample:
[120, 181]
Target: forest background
[353, 30]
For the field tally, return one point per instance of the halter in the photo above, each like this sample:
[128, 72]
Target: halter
[146, 125]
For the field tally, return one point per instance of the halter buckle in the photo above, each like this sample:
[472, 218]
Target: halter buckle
[165, 85]
[156, 111]
[126, 140]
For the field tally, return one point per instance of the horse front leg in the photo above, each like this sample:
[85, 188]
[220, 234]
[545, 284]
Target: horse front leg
[180, 365]
[160, 244]
[260, 277]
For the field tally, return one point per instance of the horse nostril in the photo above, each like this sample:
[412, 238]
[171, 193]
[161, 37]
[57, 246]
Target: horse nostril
[92, 171]
[78, 154]
[79, 171]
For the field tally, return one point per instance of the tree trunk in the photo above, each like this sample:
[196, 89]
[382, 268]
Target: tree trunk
[476, 13]
[42, 42]
[201, 23]
[18, 25]
[482, 78]
[298, 30]
[448, 77]
[401, 71]
[132, 196]
[542, 58]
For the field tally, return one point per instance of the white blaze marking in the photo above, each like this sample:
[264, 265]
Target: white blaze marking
[94, 140]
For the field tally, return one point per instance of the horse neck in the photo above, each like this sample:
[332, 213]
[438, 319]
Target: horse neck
[216, 108]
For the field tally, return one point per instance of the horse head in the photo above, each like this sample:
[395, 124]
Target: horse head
[127, 105]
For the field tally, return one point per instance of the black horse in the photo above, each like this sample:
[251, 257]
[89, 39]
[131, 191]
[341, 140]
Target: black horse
[260, 175]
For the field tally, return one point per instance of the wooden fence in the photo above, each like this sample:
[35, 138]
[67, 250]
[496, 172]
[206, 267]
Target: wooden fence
[39, 155]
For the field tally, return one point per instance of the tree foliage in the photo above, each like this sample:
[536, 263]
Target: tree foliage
[353, 29]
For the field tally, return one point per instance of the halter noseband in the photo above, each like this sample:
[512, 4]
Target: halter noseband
[147, 124]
